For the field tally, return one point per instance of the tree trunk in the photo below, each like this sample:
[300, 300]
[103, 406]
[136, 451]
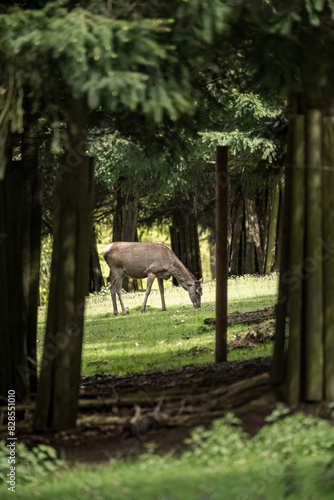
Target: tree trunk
[212, 250]
[96, 281]
[295, 249]
[184, 239]
[13, 352]
[31, 236]
[125, 217]
[236, 247]
[313, 379]
[328, 256]
[57, 399]
[272, 231]
[250, 243]
[125, 227]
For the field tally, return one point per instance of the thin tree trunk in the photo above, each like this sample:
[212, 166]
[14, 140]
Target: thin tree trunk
[236, 239]
[278, 364]
[13, 352]
[31, 235]
[272, 231]
[313, 379]
[328, 256]
[184, 240]
[296, 249]
[212, 249]
[125, 218]
[250, 241]
[96, 281]
[57, 400]
[125, 227]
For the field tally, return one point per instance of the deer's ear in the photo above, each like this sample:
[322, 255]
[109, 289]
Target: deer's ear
[199, 282]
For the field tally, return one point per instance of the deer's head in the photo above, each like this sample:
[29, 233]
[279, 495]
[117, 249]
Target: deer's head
[195, 292]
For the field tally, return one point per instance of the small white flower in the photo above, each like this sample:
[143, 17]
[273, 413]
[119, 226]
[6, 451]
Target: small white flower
[137, 344]
[182, 321]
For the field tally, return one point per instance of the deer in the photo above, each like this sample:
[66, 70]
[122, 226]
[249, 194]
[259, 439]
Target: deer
[147, 260]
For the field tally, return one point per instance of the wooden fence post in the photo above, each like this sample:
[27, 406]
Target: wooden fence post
[221, 252]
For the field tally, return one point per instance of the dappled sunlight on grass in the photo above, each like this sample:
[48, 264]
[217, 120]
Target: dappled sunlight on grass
[161, 340]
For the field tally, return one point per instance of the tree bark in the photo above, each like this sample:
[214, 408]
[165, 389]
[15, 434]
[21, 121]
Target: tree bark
[278, 365]
[313, 378]
[184, 238]
[328, 256]
[212, 250]
[96, 281]
[253, 240]
[236, 247]
[57, 399]
[125, 227]
[13, 352]
[272, 231]
[125, 217]
[296, 249]
[31, 236]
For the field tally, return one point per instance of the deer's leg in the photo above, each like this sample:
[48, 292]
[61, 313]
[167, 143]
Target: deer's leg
[161, 288]
[119, 293]
[150, 279]
[113, 294]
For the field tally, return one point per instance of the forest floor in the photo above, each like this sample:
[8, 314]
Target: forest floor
[158, 408]
[117, 424]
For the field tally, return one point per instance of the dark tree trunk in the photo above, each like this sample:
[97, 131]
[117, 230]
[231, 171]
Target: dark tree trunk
[96, 281]
[184, 238]
[250, 243]
[272, 229]
[212, 249]
[31, 237]
[57, 399]
[125, 218]
[125, 227]
[13, 352]
[236, 244]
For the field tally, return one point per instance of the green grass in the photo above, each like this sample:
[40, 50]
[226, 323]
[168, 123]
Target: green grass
[160, 340]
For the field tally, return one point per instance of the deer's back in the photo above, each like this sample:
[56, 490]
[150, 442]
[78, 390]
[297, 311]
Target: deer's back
[137, 260]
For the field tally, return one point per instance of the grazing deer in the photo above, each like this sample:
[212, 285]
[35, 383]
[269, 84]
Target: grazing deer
[151, 260]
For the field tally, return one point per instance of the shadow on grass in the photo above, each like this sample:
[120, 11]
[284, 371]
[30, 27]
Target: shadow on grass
[252, 303]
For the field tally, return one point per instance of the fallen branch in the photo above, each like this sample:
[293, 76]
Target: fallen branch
[185, 409]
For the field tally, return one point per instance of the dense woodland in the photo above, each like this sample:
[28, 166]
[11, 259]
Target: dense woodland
[142, 94]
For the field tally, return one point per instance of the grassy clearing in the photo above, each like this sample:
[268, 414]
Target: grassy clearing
[160, 340]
